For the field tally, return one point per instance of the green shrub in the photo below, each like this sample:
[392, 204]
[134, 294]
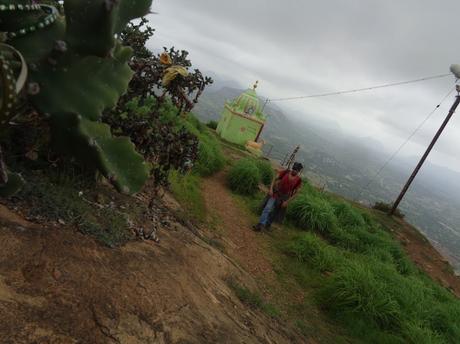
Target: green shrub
[244, 177]
[266, 171]
[212, 125]
[411, 306]
[186, 190]
[347, 215]
[310, 248]
[210, 157]
[403, 264]
[417, 333]
[443, 318]
[354, 290]
[311, 212]
[195, 122]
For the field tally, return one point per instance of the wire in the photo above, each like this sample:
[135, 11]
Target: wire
[403, 144]
[359, 89]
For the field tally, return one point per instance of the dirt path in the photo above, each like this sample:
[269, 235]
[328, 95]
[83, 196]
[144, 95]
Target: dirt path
[241, 242]
[249, 250]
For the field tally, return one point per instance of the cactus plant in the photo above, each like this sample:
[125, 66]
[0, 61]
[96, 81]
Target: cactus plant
[77, 68]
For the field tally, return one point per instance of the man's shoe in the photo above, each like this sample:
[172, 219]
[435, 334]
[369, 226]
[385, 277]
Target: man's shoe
[268, 228]
[257, 227]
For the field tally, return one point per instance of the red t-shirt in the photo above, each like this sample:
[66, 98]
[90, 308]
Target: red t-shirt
[287, 183]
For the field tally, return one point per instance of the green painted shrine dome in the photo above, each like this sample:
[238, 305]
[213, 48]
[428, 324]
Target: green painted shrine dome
[248, 103]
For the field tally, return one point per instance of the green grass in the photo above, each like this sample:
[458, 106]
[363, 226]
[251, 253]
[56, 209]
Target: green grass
[347, 215]
[210, 157]
[187, 191]
[244, 177]
[354, 290]
[252, 299]
[309, 211]
[361, 277]
[311, 249]
[212, 125]
[266, 171]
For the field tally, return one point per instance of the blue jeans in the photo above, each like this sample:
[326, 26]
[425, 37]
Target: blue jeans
[265, 217]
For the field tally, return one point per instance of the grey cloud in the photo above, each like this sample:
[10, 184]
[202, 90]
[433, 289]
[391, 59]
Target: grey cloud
[305, 47]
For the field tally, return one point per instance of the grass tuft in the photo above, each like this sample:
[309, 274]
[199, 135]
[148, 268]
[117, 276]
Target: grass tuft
[244, 177]
[252, 299]
[312, 212]
[187, 191]
[355, 290]
[210, 157]
[312, 249]
[266, 171]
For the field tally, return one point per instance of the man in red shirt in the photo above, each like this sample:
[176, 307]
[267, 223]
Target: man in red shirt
[283, 188]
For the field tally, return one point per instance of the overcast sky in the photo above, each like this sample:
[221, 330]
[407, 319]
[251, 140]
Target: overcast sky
[300, 47]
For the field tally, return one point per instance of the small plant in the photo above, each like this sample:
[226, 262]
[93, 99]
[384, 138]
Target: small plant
[356, 291]
[266, 171]
[310, 248]
[186, 189]
[210, 157]
[386, 207]
[252, 299]
[312, 212]
[417, 332]
[347, 215]
[244, 177]
[212, 125]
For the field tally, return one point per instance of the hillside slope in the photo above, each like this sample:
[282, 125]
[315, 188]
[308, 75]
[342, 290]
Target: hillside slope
[58, 286]
[346, 165]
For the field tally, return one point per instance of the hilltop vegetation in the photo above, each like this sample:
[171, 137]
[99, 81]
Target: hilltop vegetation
[359, 274]
[344, 165]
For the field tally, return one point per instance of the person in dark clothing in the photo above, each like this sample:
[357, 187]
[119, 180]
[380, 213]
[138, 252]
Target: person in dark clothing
[283, 188]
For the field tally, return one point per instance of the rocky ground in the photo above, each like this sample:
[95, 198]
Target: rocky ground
[59, 286]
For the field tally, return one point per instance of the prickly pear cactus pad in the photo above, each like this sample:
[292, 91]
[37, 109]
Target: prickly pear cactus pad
[85, 85]
[91, 28]
[13, 75]
[77, 68]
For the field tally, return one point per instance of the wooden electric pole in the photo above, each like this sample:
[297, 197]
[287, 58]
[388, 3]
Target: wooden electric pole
[291, 158]
[430, 147]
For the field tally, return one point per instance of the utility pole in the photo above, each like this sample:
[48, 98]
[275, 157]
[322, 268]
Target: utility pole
[291, 158]
[430, 147]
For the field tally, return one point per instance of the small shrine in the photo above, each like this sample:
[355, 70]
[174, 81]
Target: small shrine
[242, 120]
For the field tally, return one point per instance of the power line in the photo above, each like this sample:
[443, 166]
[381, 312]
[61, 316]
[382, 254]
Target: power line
[404, 144]
[360, 89]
